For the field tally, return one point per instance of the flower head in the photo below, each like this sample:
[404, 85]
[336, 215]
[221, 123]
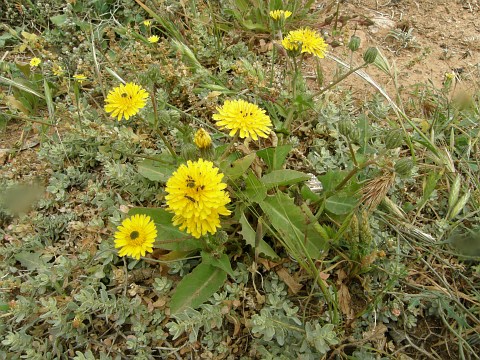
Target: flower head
[280, 14]
[34, 62]
[202, 139]
[147, 22]
[80, 78]
[136, 236]
[308, 40]
[125, 100]
[58, 70]
[153, 39]
[243, 117]
[197, 198]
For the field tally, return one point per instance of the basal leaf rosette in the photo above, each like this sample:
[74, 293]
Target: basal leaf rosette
[197, 197]
[244, 118]
[136, 236]
[307, 40]
[125, 100]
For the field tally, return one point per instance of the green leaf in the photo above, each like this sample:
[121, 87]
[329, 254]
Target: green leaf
[255, 191]
[341, 204]
[4, 307]
[31, 261]
[275, 156]
[59, 19]
[169, 237]
[195, 288]
[249, 234]
[294, 226]
[222, 262]
[238, 167]
[283, 177]
[156, 170]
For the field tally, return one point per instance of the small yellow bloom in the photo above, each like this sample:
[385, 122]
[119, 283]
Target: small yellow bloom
[243, 117]
[280, 14]
[202, 139]
[309, 40]
[197, 197]
[153, 39]
[136, 236]
[125, 100]
[147, 22]
[449, 76]
[35, 62]
[58, 70]
[80, 78]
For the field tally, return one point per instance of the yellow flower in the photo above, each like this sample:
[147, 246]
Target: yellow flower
[243, 117]
[153, 39]
[310, 41]
[280, 14]
[202, 139]
[147, 22]
[80, 78]
[34, 62]
[58, 70]
[125, 100]
[136, 236]
[197, 198]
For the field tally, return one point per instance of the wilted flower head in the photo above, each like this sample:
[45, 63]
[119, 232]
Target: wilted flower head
[197, 197]
[125, 100]
[34, 62]
[307, 40]
[58, 70]
[280, 14]
[243, 117]
[202, 139]
[136, 236]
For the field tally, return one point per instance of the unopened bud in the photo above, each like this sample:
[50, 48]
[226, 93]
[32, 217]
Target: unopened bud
[370, 55]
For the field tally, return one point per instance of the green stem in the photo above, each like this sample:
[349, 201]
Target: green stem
[227, 150]
[348, 73]
[155, 124]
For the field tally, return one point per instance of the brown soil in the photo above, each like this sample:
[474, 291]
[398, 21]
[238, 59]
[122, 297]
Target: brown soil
[424, 39]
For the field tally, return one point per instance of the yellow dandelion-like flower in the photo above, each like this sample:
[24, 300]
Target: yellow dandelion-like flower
[136, 235]
[147, 22]
[80, 78]
[153, 39]
[243, 117]
[202, 139]
[309, 40]
[34, 62]
[58, 70]
[280, 14]
[125, 100]
[197, 198]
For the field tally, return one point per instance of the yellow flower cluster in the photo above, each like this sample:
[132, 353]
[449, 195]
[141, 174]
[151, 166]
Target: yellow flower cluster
[243, 117]
[280, 14]
[197, 197]
[34, 62]
[136, 236]
[125, 100]
[308, 40]
[153, 39]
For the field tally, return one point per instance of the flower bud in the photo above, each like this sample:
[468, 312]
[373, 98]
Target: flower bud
[403, 167]
[354, 43]
[394, 139]
[202, 139]
[370, 55]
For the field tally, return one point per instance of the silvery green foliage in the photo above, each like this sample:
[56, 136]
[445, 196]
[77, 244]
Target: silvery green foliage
[320, 337]
[192, 321]
[162, 285]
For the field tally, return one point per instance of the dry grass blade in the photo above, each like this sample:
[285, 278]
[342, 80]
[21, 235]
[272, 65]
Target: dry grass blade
[376, 189]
